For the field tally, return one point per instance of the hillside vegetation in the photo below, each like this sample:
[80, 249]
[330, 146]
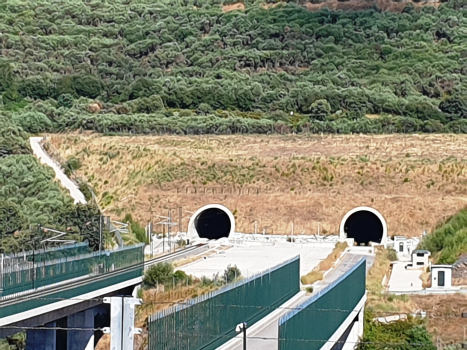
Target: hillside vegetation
[449, 240]
[414, 181]
[29, 195]
[193, 67]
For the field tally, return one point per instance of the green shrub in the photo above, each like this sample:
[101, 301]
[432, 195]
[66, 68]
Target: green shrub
[71, 165]
[232, 273]
[65, 100]
[33, 122]
[13, 140]
[136, 229]
[392, 255]
[400, 335]
[161, 273]
[448, 240]
[12, 219]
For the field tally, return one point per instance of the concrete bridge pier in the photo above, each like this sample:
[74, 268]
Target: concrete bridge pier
[81, 339]
[42, 339]
[80, 335]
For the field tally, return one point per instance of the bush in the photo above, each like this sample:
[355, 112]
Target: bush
[181, 277]
[13, 140]
[231, 273]
[204, 109]
[448, 240]
[136, 229]
[392, 255]
[71, 165]
[12, 219]
[65, 100]
[402, 335]
[161, 273]
[147, 105]
[33, 122]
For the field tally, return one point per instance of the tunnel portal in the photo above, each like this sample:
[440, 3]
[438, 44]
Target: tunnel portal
[213, 223]
[364, 225]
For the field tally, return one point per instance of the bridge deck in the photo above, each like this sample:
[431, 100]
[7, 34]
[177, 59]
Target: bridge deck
[263, 335]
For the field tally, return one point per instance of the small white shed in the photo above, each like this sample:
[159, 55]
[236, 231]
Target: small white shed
[441, 276]
[420, 258]
[400, 245]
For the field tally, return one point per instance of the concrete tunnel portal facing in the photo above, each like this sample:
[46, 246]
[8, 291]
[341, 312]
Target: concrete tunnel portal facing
[364, 225]
[212, 221]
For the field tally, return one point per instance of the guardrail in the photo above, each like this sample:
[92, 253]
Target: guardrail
[181, 254]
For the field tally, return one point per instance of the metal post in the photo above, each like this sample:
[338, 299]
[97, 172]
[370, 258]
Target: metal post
[180, 226]
[169, 230]
[1, 273]
[33, 264]
[244, 335]
[100, 234]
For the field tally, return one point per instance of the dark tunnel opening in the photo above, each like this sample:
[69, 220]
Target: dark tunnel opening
[213, 223]
[364, 227]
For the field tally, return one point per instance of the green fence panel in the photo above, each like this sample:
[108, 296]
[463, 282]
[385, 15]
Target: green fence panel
[311, 324]
[29, 276]
[71, 291]
[209, 321]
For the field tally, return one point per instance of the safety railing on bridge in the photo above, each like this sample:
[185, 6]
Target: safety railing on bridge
[25, 272]
[209, 321]
[310, 325]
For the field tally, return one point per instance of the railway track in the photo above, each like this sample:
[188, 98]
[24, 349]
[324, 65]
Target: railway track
[176, 255]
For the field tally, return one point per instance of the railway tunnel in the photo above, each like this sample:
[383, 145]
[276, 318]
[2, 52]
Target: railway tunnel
[213, 221]
[364, 225]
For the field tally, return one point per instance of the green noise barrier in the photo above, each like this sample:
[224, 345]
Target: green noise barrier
[312, 324]
[210, 320]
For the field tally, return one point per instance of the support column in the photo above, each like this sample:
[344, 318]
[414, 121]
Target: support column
[79, 339]
[41, 339]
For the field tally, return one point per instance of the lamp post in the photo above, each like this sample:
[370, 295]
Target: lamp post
[241, 327]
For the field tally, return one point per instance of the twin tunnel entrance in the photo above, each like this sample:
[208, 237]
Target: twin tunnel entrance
[363, 224]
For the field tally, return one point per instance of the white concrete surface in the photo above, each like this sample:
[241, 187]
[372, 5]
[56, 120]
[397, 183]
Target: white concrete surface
[44, 158]
[254, 259]
[403, 280]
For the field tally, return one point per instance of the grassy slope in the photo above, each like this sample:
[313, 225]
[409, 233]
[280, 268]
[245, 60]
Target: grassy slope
[413, 180]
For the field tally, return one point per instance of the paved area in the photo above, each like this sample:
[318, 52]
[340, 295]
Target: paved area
[403, 280]
[43, 157]
[254, 259]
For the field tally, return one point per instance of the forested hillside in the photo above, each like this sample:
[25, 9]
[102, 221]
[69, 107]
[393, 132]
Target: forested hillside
[190, 67]
[29, 196]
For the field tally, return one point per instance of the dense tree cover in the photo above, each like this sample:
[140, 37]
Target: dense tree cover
[172, 61]
[29, 195]
[401, 335]
[449, 240]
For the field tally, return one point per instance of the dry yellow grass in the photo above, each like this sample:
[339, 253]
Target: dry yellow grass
[413, 180]
[233, 7]
[444, 316]
[312, 277]
[317, 273]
